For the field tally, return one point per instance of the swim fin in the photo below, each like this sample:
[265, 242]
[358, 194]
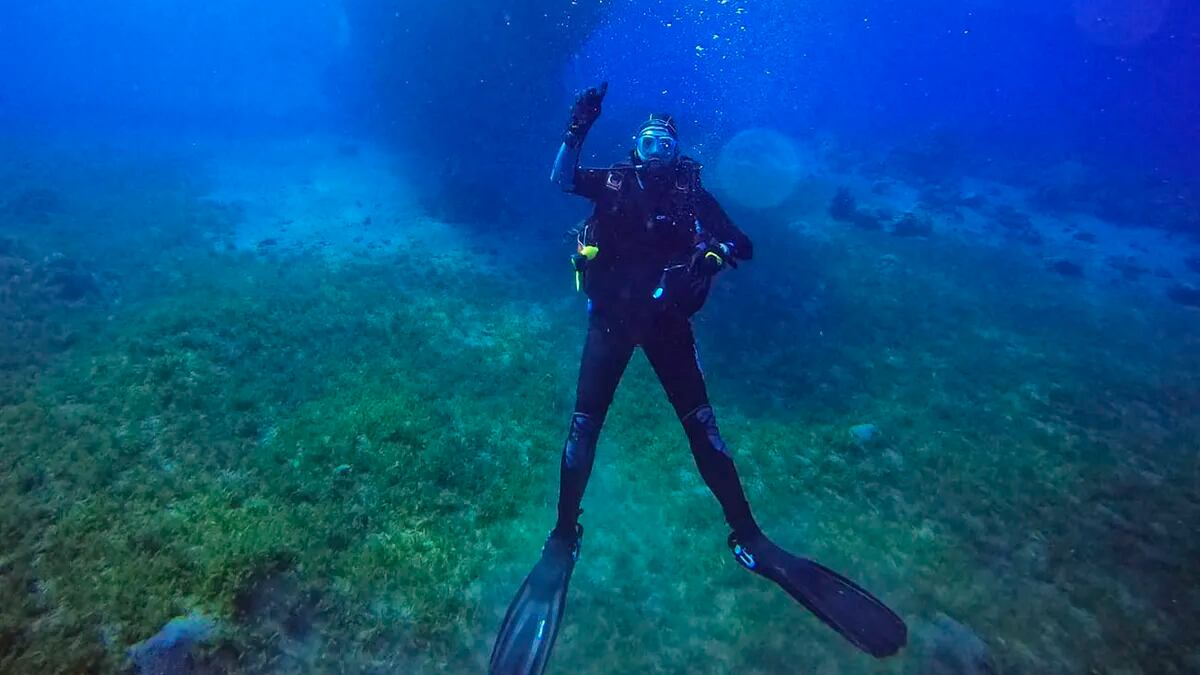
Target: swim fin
[842, 604]
[535, 614]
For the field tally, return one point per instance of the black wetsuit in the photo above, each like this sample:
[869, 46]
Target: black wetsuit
[641, 292]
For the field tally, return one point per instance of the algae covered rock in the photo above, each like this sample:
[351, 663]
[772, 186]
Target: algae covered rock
[1188, 296]
[913, 225]
[844, 209]
[1064, 267]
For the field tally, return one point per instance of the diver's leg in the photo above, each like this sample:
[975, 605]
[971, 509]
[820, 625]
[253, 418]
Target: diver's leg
[672, 354]
[606, 352]
[843, 605]
[535, 614]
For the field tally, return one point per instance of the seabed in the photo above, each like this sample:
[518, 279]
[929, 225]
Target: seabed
[263, 385]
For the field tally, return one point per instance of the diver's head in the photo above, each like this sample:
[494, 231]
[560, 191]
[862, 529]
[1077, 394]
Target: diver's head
[656, 145]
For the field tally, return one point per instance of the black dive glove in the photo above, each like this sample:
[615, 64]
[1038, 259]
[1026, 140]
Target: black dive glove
[584, 113]
[710, 258]
[689, 289]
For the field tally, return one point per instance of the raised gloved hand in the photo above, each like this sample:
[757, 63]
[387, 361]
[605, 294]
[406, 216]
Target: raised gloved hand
[584, 113]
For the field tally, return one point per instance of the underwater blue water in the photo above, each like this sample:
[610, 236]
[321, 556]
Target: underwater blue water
[1115, 81]
[1110, 80]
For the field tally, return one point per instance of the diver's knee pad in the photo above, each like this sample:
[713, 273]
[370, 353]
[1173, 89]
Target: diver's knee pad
[700, 425]
[580, 448]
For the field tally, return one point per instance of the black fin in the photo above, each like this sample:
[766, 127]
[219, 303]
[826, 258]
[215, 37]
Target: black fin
[535, 614]
[842, 604]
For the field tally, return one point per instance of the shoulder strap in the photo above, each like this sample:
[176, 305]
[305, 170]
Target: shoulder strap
[617, 174]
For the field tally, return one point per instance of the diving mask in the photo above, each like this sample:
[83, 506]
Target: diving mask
[657, 144]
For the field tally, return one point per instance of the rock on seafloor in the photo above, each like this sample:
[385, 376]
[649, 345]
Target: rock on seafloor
[1064, 267]
[169, 651]
[863, 432]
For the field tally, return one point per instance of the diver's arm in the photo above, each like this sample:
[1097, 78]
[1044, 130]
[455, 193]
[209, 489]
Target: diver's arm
[565, 165]
[584, 112]
[714, 219]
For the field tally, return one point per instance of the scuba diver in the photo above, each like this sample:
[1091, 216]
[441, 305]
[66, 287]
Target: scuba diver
[646, 259]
